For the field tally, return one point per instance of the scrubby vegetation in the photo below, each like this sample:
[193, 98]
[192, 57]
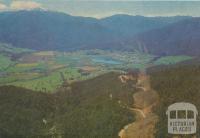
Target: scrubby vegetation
[179, 83]
[87, 109]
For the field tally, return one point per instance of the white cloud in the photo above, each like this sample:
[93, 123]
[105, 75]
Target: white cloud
[3, 6]
[24, 5]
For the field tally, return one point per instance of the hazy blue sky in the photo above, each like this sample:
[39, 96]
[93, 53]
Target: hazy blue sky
[105, 8]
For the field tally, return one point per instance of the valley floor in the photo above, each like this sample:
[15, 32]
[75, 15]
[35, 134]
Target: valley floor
[46, 71]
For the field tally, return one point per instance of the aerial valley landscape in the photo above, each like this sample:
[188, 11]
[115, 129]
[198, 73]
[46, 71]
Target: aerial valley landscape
[65, 75]
[48, 70]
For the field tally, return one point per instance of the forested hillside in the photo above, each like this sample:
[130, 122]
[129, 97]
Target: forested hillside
[179, 83]
[92, 108]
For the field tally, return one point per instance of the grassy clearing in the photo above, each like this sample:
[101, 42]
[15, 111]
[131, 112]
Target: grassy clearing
[5, 62]
[45, 84]
[21, 65]
[24, 76]
[171, 59]
[25, 67]
[50, 82]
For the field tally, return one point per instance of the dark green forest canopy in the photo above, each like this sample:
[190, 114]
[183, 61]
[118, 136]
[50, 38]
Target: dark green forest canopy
[179, 83]
[82, 109]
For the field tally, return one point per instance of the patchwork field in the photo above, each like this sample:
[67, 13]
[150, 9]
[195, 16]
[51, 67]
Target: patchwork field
[47, 70]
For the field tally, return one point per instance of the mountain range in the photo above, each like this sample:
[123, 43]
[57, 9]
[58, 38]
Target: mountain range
[179, 38]
[46, 30]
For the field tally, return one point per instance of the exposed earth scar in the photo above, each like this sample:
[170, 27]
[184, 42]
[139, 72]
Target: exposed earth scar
[144, 101]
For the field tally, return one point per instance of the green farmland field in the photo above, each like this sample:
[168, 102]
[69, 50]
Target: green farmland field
[47, 70]
[50, 82]
[5, 62]
[171, 59]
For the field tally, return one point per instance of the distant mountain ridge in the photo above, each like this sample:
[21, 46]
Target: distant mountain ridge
[179, 38]
[41, 30]
[132, 25]
[46, 30]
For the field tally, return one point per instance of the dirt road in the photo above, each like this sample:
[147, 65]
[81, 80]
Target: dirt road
[144, 100]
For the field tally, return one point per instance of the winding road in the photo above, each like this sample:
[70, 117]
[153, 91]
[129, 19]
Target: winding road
[144, 100]
[139, 111]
